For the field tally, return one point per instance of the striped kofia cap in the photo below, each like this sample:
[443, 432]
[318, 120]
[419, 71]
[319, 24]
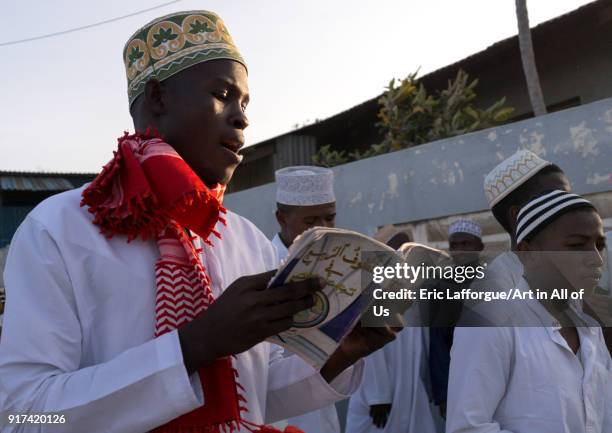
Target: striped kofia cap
[541, 211]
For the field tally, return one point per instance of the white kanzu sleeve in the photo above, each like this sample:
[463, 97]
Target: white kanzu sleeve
[41, 352]
[295, 388]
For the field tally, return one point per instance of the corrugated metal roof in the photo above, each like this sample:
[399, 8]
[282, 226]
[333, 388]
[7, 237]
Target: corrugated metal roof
[34, 183]
[45, 173]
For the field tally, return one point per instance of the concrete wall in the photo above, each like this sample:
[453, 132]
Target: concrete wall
[446, 177]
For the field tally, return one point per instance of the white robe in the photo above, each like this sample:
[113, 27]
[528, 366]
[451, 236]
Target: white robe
[396, 374]
[78, 334]
[324, 420]
[606, 279]
[280, 248]
[502, 274]
[527, 379]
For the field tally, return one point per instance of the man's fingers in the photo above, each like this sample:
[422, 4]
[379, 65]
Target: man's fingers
[384, 331]
[258, 281]
[376, 418]
[291, 291]
[398, 318]
[253, 282]
[289, 309]
[277, 326]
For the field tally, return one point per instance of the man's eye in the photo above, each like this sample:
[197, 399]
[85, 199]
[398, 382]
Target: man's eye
[575, 245]
[220, 95]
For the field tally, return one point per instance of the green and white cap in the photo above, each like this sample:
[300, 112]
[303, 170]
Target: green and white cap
[169, 44]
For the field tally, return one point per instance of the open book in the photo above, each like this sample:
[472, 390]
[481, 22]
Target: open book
[337, 256]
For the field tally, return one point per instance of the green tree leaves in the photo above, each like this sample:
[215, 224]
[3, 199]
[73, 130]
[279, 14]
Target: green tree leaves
[410, 116]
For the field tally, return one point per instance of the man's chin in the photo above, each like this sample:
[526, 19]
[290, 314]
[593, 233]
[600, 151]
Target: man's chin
[225, 176]
[212, 177]
[587, 284]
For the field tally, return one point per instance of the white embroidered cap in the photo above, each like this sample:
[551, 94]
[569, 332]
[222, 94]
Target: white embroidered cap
[511, 173]
[465, 225]
[304, 185]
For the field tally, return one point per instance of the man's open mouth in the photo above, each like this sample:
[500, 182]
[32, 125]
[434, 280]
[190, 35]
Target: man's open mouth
[234, 146]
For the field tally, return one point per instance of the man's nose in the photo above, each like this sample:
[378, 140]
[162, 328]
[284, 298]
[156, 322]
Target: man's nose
[239, 120]
[594, 259]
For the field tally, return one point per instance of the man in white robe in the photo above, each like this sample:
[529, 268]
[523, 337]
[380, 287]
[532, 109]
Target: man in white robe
[305, 198]
[550, 372]
[511, 184]
[394, 395]
[464, 246]
[79, 335]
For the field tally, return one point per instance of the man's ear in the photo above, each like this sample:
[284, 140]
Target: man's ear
[513, 212]
[281, 218]
[154, 96]
[523, 247]
[527, 255]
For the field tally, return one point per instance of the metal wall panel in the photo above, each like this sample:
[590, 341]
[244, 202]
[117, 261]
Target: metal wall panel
[445, 177]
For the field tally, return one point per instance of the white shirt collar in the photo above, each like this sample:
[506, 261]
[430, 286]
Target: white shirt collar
[549, 320]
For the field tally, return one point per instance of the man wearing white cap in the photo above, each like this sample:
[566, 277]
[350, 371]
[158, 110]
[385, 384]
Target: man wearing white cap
[465, 241]
[393, 396]
[510, 185]
[464, 245]
[305, 198]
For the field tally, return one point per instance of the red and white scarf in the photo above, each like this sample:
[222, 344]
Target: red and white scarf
[148, 191]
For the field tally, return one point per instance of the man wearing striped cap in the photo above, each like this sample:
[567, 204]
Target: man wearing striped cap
[511, 184]
[550, 372]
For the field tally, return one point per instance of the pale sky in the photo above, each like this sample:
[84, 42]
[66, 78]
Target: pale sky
[63, 100]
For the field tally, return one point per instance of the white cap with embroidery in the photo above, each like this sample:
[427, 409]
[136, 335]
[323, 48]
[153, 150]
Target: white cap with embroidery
[465, 225]
[511, 173]
[304, 185]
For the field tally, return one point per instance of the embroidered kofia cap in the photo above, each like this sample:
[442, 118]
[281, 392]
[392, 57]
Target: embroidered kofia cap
[304, 186]
[511, 173]
[465, 225]
[541, 211]
[174, 42]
